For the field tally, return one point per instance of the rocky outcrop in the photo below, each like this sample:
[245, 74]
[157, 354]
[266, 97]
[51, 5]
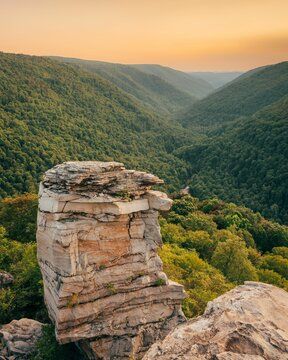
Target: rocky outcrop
[18, 338]
[5, 279]
[97, 241]
[249, 322]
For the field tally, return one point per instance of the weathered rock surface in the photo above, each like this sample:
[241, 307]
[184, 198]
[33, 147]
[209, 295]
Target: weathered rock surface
[5, 278]
[249, 322]
[97, 238]
[18, 338]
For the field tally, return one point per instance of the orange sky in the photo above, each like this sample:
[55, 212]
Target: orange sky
[185, 34]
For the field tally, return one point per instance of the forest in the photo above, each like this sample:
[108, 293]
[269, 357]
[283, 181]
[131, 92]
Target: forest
[229, 147]
[247, 164]
[52, 112]
[209, 246]
[231, 144]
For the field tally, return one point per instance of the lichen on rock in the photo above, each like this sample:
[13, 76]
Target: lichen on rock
[97, 241]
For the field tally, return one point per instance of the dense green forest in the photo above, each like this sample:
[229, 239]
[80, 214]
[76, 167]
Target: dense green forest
[244, 159]
[244, 96]
[233, 146]
[52, 112]
[247, 164]
[209, 246]
[150, 90]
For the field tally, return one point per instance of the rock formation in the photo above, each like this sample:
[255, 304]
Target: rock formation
[18, 338]
[97, 241]
[5, 279]
[249, 322]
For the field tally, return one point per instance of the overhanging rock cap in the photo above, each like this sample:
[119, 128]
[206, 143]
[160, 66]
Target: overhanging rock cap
[80, 177]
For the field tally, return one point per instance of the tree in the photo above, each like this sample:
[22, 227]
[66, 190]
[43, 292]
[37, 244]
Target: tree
[172, 233]
[201, 281]
[200, 241]
[281, 250]
[272, 277]
[199, 221]
[231, 258]
[185, 205]
[24, 298]
[18, 216]
[276, 263]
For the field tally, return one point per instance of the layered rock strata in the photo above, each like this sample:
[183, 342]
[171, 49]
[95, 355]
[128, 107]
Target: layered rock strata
[249, 322]
[97, 241]
[18, 338]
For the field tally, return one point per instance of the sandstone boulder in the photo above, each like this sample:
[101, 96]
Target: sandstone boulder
[249, 322]
[97, 241]
[18, 338]
[5, 279]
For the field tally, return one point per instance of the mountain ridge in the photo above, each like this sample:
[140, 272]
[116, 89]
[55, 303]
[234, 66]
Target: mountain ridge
[242, 97]
[52, 112]
[155, 91]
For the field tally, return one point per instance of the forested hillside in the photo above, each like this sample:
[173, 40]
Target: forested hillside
[52, 112]
[216, 79]
[192, 85]
[248, 164]
[235, 146]
[151, 90]
[244, 159]
[244, 96]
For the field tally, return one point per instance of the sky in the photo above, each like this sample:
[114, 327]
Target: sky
[190, 35]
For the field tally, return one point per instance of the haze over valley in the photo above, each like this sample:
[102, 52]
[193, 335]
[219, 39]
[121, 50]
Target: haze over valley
[143, 180]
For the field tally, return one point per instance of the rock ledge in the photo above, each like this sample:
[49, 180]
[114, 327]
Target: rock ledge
[249, 322]
[97, 241]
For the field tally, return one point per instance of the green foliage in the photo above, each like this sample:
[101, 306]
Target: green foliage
[184, 206]
[272, 277]
[201, 242]
[231, 258]
[18, 217]
[199, 221]
[52, 112]
[24, 298]
[159, 282]
[202, 282]
[111, 287]
[276, 263]
[246, 161]
[47, 348]
[172, 233]
[281, 250]
[151, 90]
[244, 96]
[244, 158]
[209, 262]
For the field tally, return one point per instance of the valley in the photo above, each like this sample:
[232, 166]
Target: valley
[225, 144]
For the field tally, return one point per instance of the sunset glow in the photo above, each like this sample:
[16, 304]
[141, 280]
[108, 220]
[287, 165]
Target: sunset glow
[185, 34]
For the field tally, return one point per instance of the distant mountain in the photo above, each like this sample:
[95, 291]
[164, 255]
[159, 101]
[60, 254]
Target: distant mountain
[216, 79]
[192, 85]
[52, 112]
[242, 97]
[153, 91]
[234, 145]
[246, 160]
